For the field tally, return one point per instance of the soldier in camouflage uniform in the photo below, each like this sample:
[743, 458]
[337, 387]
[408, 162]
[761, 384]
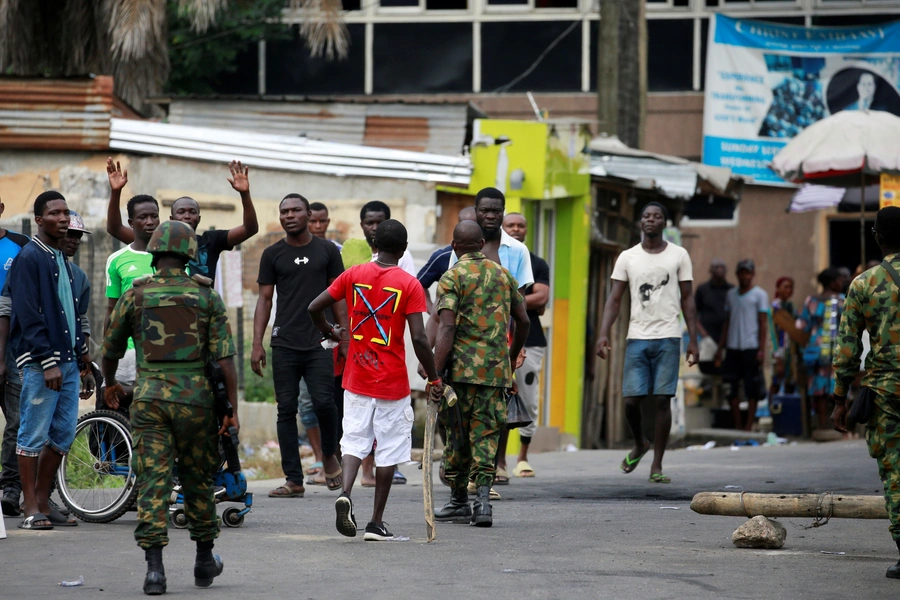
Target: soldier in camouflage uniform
[873, 305]
[178, 323]
[476, 297]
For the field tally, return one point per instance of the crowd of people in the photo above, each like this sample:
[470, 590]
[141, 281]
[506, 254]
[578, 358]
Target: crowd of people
[337, 344]
[338, 350]
[742, 334]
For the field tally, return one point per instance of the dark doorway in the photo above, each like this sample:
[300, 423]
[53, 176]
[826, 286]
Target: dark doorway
[843, 244]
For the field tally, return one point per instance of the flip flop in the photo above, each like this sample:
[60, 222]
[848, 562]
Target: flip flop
[29, 522]
[630, 464]
[314, 469]
[501, 477]
[523, 469]
[399, 478]
[287, 493]
[659, 478]
[60, 520]
[334, 481]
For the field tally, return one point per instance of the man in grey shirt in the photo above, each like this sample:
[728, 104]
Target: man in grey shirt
[744, 338]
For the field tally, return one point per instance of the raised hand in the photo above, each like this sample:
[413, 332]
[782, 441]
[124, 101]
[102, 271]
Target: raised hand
[117, 177]
[239, 179]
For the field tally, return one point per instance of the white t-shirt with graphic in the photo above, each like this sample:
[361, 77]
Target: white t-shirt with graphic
[655, 295]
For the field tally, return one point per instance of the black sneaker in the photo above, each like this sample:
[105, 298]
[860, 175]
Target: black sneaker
[10, 502]
[344, 519]
[377, 533]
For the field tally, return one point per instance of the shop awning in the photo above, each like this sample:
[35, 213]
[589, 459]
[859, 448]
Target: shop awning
[672, 176]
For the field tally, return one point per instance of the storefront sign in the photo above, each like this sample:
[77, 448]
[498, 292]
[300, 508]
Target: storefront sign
[765, 83]
[890, 190]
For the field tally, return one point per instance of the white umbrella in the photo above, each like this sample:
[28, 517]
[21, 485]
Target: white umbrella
[848, 149]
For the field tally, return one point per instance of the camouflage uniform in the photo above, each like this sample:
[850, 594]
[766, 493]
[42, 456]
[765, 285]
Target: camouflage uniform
[873, 305]
[483, 295]
[178, 323]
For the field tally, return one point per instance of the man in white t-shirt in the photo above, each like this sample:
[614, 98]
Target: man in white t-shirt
[744, 343]
[659, 276]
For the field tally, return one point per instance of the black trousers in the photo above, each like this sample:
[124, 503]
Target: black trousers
[316, 367]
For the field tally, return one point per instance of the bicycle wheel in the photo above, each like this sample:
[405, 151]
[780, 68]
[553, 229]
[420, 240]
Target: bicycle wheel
[96, 481]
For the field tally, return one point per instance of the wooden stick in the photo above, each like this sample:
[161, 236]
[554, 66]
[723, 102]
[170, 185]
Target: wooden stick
[839, 506]
[428, 468]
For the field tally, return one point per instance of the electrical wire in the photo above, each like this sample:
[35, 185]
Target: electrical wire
[540, 58]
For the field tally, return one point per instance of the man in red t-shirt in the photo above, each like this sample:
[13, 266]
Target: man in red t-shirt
[381, 299]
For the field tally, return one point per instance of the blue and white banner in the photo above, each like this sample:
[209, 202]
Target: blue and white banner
[766, 82]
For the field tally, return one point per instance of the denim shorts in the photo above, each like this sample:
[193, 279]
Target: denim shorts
[651, 367]
[47, 417]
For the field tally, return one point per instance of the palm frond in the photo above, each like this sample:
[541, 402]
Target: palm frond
[323, 27]
[137, 28]
[18, 51]
[202, 13]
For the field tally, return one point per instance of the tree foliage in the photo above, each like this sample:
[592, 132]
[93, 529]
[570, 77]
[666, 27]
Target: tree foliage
[199, 61]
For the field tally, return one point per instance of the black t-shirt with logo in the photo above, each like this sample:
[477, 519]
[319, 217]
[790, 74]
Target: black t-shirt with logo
[299, 274]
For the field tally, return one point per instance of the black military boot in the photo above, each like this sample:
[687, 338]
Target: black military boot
[481, 508]
[155, 581]
[208, 566]
[457, 510]
[894, 571]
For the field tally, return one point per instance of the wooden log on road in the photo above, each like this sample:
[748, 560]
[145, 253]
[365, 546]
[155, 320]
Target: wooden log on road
[838, 506]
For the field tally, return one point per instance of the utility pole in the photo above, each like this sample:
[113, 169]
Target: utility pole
[622, 70]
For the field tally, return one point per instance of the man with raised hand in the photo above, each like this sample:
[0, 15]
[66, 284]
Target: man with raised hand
[211, 243]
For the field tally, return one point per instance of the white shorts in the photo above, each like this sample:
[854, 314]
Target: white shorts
[389, 421]
[126, 373]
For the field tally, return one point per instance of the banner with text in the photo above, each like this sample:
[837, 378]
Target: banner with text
[766, 82]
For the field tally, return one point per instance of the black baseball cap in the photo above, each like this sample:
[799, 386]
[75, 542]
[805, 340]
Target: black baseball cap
[746, 265]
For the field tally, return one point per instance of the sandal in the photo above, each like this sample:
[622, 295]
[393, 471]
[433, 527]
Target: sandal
[399, 478]
[286, 491]
[31, 522]
[659, 478]
[523, 469]
[60, 520]
[630, 464]
[501, 477]
[334, 481]
[315, 469]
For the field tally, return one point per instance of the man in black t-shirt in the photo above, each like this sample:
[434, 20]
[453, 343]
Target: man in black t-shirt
[299, 267]
[528, 376]
[711, 315]
[210, 244]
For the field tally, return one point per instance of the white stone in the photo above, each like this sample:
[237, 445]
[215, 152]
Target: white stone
[759, 532]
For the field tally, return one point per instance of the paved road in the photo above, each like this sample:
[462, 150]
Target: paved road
[581, 529]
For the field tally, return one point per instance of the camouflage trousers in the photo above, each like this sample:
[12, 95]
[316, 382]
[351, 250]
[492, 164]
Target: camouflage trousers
[473, 433]
[883, 440]
[162, 431]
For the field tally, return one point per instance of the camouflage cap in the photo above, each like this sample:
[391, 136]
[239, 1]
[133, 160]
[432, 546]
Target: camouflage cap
[76, 223]
[174, 237]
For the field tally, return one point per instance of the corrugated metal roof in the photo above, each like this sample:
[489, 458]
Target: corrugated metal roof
[434, 128]
[69, 114]
[286, 152]
[672, 180]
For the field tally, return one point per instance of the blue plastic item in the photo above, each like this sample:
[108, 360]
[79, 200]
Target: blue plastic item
[787, 416]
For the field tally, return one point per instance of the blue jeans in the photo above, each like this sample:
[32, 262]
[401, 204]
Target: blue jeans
[9, 403]
[307, 412]
[47, 418]
[651, 367]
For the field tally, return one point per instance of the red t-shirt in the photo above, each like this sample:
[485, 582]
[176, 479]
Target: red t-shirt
[378, 301]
